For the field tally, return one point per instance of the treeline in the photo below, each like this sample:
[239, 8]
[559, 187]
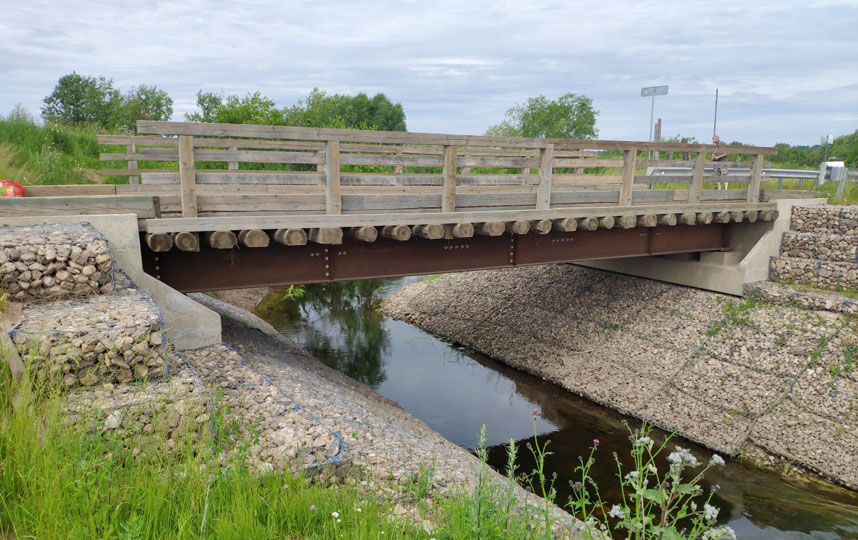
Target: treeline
[79, 100]
[844, 148]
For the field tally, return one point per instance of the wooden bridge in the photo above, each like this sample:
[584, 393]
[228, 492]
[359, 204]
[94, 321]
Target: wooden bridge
[227, 206]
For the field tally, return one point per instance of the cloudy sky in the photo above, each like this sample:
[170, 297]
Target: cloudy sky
[787, 70]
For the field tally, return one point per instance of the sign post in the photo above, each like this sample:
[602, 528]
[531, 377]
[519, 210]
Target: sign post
[652, 91]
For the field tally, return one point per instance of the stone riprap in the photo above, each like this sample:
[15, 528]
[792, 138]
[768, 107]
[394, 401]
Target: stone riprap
[822, 247]
[46, 262]
[822, 274]
[786, 295]
[726, 372]
[288, 436]
[93, 340]
[158, 416]
[825, 219]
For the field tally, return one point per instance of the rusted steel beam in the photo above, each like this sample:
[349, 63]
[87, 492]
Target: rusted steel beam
[214, 269]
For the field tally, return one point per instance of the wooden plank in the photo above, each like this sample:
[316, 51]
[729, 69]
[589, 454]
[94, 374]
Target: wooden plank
[756, 177]
[404, 218]
[628, 176]
[145, 207]
[546, 173]
[249, 202]
[470, 161]
[187, 177]
[205, 142]
[390, 160]
[132, 172]
[69, 190]
[579, 162]
[448, 190]
[585, 179]
[333, 196]
[239, 177]
[397, 137]
[696, 186]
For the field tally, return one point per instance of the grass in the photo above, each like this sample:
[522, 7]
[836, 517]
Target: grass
[77, 481]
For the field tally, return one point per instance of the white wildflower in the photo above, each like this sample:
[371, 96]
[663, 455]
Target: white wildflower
[716, 460]
[693, 506]
[633, 475]
[335, 514]
[720, 533]
[617, 512]
[710, 513]
[682, 456]
[644, 441]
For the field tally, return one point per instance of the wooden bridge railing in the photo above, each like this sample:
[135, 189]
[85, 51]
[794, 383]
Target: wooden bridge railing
[230, 170]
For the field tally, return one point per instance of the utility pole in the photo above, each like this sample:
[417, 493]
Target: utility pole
[715, 122]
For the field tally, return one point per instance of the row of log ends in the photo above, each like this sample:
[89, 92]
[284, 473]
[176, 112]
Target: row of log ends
[256, 238]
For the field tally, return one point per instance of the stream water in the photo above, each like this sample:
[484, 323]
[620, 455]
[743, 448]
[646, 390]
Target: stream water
[456, 391]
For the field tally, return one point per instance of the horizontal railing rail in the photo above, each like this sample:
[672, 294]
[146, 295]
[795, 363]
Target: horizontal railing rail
[198, 169]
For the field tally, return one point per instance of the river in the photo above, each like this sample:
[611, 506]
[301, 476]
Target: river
[456, 391]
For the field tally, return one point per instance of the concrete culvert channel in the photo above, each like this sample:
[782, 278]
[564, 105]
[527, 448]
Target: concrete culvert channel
[456, 390]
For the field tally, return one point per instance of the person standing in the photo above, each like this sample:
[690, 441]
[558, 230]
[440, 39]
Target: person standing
[719, 156]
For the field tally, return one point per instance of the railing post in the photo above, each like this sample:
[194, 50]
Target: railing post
[629, 157]
[546, 172]
[695, 189]
[448, 195]
[397, 169]
[333, 196]
[132, 149]
[232, 165]
[756, 178]
[187, 176]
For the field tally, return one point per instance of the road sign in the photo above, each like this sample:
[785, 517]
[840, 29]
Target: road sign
[827, 139]
[654, 91]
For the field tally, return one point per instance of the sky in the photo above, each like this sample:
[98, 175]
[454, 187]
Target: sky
[787, 71]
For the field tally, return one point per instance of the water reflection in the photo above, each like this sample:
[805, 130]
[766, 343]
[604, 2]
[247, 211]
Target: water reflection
[339, 323]
[455, 391]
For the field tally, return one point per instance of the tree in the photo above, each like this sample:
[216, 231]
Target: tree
[316, 110]
[144, 103]
[78, 99]
[571, 116]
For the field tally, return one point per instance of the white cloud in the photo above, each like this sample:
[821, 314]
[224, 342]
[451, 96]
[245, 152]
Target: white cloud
[785, 71]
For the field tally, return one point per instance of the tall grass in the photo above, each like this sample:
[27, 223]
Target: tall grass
[48, 154]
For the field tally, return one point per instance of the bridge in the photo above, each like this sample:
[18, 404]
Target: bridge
[223, 206]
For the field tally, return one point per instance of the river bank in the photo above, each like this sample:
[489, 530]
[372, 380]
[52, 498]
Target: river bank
[394, 451]
[735, 375]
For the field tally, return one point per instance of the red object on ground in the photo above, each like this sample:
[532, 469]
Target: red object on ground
[9, 188]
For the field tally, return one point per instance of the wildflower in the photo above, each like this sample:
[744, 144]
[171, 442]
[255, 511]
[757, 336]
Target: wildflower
[537, 413]
[644, 441]
[720, 533]
[633, 475]
[596, 442]
[710, 513]
[693, 506]
[617, 512]
[286, 487]
[357, 509]
[312, 508]
[716, 460]
[682, 456]
[321, 476]
[339, 520]
[716, 487]
[335, 514]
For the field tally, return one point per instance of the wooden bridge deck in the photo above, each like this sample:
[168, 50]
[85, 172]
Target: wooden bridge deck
[300, 197]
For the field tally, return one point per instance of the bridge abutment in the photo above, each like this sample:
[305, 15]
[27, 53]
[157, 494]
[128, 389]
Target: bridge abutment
[747, 261]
